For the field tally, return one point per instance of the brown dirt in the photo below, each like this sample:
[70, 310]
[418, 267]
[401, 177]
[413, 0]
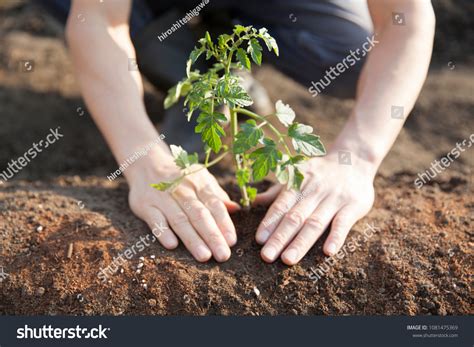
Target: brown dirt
[418, 262]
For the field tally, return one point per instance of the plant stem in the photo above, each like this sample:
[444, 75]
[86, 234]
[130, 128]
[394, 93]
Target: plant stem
[265, 123]
[235, 129]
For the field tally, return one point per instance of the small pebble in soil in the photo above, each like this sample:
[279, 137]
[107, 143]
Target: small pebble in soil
[256, 291]
[121, 270]
[39, 228]
[145, 286]
[143, 281]
[140, 265]
[138, 271]
[141, 259]
[152, 302]
[152, 256]
[40, 291]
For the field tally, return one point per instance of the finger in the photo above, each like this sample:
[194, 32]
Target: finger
[313, 228]
[220, 214]
[159, 227]
[341, 225]
[231, 206]
[268, 196]
[179, 222]
[289, 226]
[203, 222]
[283, 203]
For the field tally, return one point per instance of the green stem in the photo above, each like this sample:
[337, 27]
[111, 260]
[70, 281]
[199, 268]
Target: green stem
[235, 129]
[266, 123]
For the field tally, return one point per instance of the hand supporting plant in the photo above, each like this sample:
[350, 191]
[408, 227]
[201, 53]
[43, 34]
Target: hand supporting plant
[255, 155]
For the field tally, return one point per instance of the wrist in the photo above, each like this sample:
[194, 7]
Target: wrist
[153, 160]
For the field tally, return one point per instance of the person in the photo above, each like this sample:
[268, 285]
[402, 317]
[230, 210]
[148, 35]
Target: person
[314, 36]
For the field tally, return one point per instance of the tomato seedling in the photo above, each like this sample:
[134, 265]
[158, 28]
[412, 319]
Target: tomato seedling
[255, 154]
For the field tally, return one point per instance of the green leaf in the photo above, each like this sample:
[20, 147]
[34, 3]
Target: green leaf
[297, 179]
[234, 94]
[251, 193]
[265, 159]
[288, 173]
[248, 137]
[269, 41]
[210, 130]
[182, 159]
[255, 51]
[238, 29]
[243, 58]
[209, 40]
[195, 54]
[284, 113]
[243, 177]
[304, 141]
[164, 186]
[174, 93]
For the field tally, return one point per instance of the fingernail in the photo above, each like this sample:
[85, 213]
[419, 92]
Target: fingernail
[222, 253]
[331, 249]
[291, 255]
[263, 236]
[269, 253]
[203, 253]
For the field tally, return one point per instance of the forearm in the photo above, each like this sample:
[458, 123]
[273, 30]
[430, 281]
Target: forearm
[392, 76]
[113, 94]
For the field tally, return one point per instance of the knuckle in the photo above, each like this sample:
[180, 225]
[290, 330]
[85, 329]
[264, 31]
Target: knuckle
[178, 220]
[279, 208]
[315, 223]
[278, 240]
[294, 218]
[215, 204]
[199, 214]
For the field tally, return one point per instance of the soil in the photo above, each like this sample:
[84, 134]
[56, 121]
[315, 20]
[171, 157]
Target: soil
[62, 220]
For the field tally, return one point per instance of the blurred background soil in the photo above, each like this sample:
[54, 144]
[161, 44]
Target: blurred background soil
[419, 262]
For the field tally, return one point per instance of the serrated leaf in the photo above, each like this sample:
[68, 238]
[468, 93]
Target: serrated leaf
[238, 29]
[210, 130]
[305, 141]
[255, 51]
[234, 94]
[269, 41]
[243, 58]
[182, 159]
[284, 113]
[248, 137]
[265, 159]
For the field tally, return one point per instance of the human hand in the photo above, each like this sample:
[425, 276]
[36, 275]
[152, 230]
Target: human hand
[330, 192]
[197, 210]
